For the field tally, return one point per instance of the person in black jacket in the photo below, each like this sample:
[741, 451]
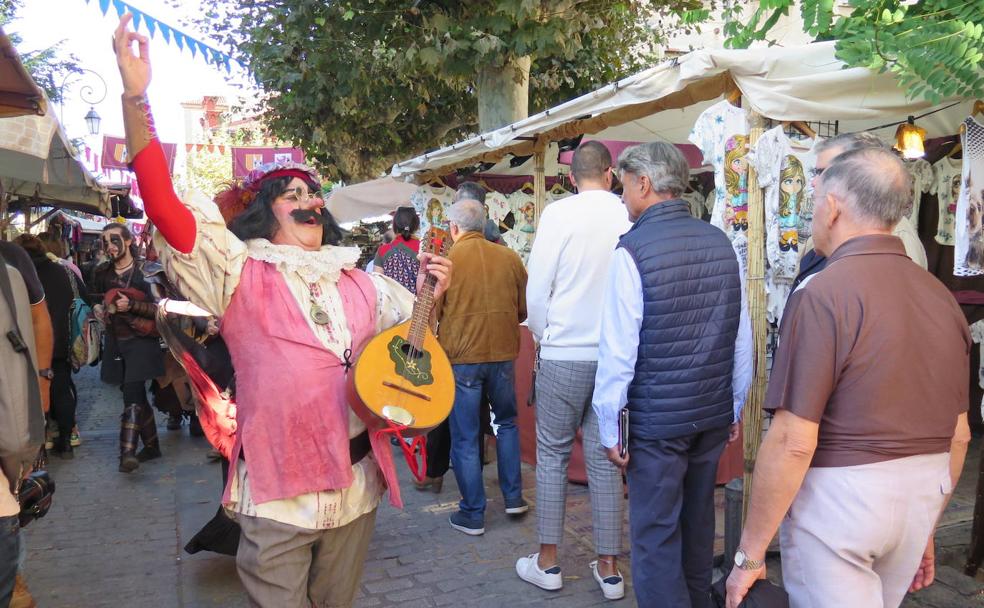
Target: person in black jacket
[57, 283]
[133, 352]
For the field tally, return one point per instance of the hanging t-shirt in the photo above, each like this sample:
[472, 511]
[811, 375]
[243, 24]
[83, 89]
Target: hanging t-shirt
[922, 181]
[721, 134]
[784, 168]
[710, 201]
[696, 201]
[968, 257]
[556, 193]
[520, 238]
[946, 186]
[431, 204]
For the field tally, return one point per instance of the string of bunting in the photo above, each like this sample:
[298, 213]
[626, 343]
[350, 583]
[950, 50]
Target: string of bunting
[211, 55]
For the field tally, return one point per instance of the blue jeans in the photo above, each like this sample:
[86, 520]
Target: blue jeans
[498, 381]
[9, 554]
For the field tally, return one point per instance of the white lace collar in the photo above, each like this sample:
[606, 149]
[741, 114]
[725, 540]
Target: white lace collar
[313, 266]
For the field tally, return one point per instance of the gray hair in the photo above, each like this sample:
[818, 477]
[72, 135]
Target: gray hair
[662, 163]
[872, 181]
[470, 191]
[468, 215]
[848, 142]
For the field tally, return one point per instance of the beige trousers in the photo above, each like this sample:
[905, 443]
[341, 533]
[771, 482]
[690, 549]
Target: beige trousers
[854, 536]
[283, 566]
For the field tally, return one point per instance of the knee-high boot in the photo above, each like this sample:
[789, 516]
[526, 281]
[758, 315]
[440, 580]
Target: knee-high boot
[129, 435]
[148, 433]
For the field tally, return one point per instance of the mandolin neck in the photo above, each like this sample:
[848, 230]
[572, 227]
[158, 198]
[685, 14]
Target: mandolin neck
[420, 318]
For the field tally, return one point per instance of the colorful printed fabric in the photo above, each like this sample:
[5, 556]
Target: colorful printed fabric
[968, 258]
[398, 261]
[946, 186]
[721, 134]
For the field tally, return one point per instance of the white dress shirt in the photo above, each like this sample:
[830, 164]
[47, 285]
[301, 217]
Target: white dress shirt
[618, 350]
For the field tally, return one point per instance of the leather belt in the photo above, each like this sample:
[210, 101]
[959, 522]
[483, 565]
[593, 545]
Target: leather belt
[359, 448]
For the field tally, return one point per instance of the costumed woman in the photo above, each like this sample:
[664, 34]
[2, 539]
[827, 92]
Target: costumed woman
[295, 312]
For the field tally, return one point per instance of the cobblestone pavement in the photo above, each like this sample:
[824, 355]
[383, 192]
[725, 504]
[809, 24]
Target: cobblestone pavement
[113, 539]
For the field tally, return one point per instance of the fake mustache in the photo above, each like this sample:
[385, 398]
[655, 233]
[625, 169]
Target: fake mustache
[304, 216]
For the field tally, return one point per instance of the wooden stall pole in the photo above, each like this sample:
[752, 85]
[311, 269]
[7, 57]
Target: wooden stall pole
[539, 178]
[755, 286]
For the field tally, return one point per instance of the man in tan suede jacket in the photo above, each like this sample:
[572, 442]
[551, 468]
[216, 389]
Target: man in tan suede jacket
[479, 320]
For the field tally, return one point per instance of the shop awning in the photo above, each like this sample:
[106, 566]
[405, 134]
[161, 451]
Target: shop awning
[662, 103]
[369, 199]
[37, 166]
[18, 93]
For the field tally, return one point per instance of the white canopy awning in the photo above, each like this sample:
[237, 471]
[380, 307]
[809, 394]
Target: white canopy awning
[369, 199]
[662, 103]
[36, 163]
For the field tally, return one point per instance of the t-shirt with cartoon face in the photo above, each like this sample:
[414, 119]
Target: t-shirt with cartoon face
[520, 238]
[784, 169]
[721, 134]
[968, 257]
[431, 204]
[946, 186]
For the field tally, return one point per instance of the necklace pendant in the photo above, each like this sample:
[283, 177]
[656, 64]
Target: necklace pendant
[319, 316]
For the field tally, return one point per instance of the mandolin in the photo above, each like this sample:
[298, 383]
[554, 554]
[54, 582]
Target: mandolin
[403, 379]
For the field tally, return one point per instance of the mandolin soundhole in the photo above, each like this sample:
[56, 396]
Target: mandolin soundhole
[409, 363]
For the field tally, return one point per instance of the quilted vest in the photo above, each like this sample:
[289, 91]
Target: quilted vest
[692, 302]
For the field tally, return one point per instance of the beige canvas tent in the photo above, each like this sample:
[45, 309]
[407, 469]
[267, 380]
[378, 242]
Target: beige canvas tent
[805, 83]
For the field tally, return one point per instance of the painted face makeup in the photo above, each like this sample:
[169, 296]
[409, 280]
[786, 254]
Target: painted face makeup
[114, 245]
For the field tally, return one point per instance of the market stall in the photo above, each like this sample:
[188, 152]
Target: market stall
[718, 101]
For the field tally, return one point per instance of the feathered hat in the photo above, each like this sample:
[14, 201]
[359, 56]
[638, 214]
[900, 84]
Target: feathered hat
[238, 196]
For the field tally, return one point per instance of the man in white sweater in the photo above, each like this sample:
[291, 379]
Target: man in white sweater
[568, 264]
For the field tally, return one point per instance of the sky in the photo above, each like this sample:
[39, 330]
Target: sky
[177, 76]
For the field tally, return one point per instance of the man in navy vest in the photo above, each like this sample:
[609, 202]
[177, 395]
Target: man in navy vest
[676, 352]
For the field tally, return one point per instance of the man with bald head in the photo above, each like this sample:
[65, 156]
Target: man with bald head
[479, 330]
[869, 388]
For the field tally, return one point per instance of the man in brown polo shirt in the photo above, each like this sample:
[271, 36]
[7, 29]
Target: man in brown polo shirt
[869, 389]
[479, 329]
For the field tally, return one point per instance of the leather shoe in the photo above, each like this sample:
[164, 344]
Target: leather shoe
[434, 484]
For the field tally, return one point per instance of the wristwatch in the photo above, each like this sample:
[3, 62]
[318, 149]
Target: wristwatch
[743, 563]
[47, 373]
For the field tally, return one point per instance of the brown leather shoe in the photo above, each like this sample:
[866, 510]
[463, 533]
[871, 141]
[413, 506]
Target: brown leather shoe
[434, 484]
[22, 596]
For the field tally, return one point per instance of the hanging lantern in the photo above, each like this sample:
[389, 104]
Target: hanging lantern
[92, 121]
[909, 140]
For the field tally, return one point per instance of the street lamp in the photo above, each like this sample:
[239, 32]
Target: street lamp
[88, 94]
[92, 121]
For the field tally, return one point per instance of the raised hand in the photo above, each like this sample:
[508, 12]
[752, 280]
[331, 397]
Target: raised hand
[134, 68]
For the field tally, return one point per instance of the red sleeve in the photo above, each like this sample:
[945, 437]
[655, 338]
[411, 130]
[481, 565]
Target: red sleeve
[163, 207]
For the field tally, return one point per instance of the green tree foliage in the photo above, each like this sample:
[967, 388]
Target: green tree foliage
[361, 83]
[48, 67]
[934, 47]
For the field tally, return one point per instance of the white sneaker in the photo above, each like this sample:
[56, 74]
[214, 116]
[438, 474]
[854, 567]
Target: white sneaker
[528, 570]
[613, 587]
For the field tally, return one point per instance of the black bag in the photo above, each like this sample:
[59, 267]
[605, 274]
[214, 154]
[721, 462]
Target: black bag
[763, 594]
[35, 496]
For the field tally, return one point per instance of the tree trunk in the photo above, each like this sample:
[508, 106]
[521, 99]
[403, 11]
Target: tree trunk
[503, 94]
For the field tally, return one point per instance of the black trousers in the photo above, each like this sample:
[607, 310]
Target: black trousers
[63, 399]
[671, 518]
